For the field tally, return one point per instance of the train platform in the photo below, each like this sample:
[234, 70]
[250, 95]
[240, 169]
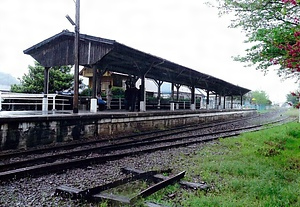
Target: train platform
[23, 129]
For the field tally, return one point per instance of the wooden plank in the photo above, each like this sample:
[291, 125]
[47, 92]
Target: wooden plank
[202, 186]
[92, 191]
[67, 192]
[159, 186]
[195, 186]
[127, 170]
[160, 177]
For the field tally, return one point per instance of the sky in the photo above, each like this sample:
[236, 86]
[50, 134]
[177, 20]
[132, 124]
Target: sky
[188, 33]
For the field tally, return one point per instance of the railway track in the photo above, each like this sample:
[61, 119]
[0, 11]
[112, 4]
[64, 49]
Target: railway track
[70, 146]
[111, 150]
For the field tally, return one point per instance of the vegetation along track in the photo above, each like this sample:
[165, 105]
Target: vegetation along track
[17, 165]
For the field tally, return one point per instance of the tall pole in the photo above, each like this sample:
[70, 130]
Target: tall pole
[76, 58]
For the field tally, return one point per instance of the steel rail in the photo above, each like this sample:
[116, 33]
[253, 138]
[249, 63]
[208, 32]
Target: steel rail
[165, 132]
[110, 148]
[83, 162]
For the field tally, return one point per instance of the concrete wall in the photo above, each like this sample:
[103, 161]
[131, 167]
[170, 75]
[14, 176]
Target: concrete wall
[32, 131]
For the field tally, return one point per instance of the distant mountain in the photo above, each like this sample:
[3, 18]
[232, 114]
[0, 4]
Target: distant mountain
[6, 80]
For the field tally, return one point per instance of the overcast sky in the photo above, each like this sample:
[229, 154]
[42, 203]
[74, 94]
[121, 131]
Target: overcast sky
[185, 32]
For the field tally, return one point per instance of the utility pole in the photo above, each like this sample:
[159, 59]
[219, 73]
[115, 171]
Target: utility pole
[76, 58]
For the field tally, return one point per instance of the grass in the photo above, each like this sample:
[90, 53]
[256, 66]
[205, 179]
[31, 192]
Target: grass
[293, 113]
[255, 169]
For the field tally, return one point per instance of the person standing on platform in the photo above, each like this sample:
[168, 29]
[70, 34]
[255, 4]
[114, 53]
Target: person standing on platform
[133, 94]
[109, 96]
[127, 98]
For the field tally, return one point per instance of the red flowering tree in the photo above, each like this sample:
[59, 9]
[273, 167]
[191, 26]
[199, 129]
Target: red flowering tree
[292, 58]
[273, 29]
[297, 95]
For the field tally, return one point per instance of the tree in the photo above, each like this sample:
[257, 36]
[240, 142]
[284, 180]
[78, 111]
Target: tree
[33, 82]
[272, 28]
[259, 97]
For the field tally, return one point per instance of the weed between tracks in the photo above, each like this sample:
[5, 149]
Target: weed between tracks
[255, 169]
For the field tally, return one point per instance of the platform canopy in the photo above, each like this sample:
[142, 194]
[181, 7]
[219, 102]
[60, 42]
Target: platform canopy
[110, 55]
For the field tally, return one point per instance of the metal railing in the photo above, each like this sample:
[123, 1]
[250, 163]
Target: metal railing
[14, 101]
[22, 101]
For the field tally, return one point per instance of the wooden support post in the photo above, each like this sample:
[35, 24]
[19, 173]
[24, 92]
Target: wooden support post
[241, 101]
[177, 91]
[231, 102]
[158, 83]
[172, 91]
[224, 102]
[177, 95]
[216, 101]
[207, 99]
[193, 98]
[94, 88]
[76, 59]
[46, 81]
[142, 91]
